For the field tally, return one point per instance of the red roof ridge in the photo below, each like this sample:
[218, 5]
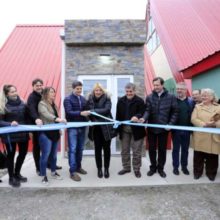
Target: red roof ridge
[39, 25]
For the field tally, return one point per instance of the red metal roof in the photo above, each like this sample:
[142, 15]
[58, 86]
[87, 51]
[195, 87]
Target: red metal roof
[189, 30]
[32, 51]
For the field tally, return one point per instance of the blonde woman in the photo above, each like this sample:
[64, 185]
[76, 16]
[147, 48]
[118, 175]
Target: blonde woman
[13, 111]
[206, 145]
[49, 140]
[100, 103]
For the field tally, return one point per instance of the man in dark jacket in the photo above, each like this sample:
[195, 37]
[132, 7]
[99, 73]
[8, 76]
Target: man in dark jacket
[180, 138]
[161, 108]
[74, 106]
[130, 107]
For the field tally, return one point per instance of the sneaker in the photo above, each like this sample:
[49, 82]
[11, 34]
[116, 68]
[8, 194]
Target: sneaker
[45, 181]
[21, 178]
[56, 176]
[14, 182]
[185, 171]
[81, 171]
[75, 177]
[176, 171]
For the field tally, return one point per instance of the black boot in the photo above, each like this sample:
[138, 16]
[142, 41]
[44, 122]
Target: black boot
[20, 178]
[106, 173]
[100, 174]
[14, 182]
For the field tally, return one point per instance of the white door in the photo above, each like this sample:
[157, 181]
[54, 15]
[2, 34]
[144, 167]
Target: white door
[114, 84]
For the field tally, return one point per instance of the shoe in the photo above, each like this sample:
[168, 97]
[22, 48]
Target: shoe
[196, 176]
[58, 167]
[75, 177]
[123, 171]
[162, 173]
[38, 172]
[176, 171]
[56, 176]
[100, 174]
[106, 173]
[81, 171]
[45, 181]
[185, 171]
[0, 181]
[151, 172]
[14, 182]
[137, 174]
[21, 178]
[211, 178]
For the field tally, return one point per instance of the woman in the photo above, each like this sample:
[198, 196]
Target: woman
[49, 140]
[13, 112]
[206, 145]
[100, 103]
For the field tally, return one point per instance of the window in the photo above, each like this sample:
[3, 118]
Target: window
[153, 40]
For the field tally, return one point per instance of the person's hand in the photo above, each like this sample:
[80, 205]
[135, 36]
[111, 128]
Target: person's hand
[167, 129]
[85, 113]
[60, 120]
[14, 123]
[38, 122]
[134, 119]
[210, 124]
[141, 120]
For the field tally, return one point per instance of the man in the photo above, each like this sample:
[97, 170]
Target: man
[180, 138]
[196, 96]
[74, 105]
[161, 108]
[130, 107]
[32, 104]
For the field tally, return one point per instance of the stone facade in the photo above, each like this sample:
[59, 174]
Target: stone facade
[121, 41]
[105, 32]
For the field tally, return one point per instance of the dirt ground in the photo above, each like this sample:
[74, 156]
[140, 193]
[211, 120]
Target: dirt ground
[185, 202]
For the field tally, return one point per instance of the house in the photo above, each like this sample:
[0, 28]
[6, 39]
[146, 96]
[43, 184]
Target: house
[183, 42]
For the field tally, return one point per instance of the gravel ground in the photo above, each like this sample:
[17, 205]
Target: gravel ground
[196, 202]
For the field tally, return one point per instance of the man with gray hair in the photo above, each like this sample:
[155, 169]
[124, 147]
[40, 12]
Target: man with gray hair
[181, 138]
[130, 107]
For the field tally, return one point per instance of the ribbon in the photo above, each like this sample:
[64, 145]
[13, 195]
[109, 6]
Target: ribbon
[115, 123]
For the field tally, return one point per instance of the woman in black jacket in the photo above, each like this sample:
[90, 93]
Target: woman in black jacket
[100, 103]
[13, 111]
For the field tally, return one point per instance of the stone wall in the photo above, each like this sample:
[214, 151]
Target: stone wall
[105, 31]
[123, 60]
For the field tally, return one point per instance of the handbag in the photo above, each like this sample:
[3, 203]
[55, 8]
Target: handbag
[3, 159]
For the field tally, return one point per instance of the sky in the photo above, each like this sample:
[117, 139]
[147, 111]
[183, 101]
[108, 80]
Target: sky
[14, 12]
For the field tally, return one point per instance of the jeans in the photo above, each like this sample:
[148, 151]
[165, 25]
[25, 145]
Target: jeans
[48, 147]
[76, 140]
[181, 139]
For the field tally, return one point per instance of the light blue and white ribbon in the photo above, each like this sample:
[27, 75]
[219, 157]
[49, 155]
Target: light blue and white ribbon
[115, 123]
